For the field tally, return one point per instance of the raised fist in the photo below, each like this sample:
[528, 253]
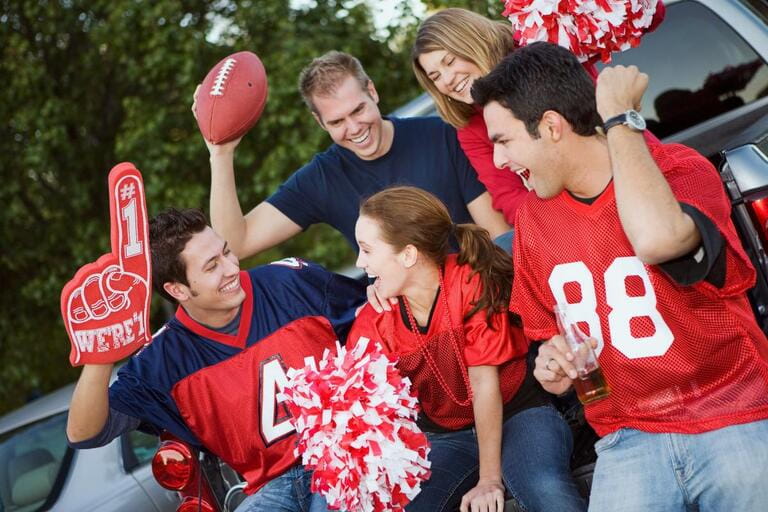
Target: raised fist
[106, 305]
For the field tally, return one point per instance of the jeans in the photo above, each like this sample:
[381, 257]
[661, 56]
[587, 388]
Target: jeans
[720, 470]
[288, 492]
[536, 449]
[504, 240]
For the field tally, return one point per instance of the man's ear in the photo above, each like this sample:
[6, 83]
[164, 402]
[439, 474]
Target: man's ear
[371, 89]
[177, 290]
[319, 121]
[552, 125]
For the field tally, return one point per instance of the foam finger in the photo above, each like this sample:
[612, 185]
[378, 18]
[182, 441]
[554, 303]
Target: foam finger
[128, 216]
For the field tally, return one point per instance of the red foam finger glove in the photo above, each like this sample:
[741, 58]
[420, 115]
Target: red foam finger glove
[105, 306]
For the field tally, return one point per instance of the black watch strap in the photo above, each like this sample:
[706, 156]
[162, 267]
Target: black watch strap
[615, 121]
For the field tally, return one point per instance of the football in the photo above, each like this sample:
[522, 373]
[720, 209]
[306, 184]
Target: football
[232, 97]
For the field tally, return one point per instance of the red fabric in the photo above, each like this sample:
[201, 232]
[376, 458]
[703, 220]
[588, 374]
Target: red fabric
[238, 341]
[506, 188]
[211, 401]
[505, 347]
[678, 358]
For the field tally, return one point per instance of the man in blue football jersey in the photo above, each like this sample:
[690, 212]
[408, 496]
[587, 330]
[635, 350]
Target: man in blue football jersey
[212, 374]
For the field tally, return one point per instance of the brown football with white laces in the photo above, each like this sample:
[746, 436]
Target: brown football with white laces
[232, 97]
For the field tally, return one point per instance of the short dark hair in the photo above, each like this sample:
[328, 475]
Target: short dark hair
[169, 232]
[540, 77]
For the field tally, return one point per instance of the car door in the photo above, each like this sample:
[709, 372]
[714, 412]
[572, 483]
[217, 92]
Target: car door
[138, 449]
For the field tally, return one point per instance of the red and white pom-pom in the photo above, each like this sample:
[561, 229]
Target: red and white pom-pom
[589, 28]
[355, 420]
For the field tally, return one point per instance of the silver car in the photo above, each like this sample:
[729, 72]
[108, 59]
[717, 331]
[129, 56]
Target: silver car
[39, 471]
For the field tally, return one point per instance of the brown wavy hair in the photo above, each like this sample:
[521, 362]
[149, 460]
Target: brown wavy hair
[465, 34]
[410, 215]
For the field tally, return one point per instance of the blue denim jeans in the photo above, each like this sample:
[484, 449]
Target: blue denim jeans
[720, 470]
[288, 492]
[504, 240]
[536, 449]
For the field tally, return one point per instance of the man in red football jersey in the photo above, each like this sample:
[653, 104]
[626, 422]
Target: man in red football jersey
[638, 241]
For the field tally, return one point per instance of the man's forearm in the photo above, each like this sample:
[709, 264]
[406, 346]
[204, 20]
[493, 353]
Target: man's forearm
[226, 215]
[483, 214]
[89, 408]
[650, 214]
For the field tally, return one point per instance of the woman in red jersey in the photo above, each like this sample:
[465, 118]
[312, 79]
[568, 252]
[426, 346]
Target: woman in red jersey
[489, 423]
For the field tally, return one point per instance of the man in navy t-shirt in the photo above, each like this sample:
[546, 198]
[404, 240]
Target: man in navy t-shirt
[369, 154]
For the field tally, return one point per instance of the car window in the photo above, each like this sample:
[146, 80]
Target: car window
[31, 460]
[140, 448]
[698, 67]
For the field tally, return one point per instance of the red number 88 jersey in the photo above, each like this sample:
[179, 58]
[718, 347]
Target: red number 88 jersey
[678, 358]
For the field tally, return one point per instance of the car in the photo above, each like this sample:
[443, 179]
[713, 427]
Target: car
[39, 471]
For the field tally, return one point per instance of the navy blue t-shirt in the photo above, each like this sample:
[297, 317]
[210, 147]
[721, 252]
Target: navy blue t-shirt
[425, 153]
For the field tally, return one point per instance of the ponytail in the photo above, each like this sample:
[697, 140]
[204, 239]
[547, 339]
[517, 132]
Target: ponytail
[491, 263]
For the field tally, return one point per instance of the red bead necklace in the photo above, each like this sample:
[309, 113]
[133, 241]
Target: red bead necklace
[454, 345]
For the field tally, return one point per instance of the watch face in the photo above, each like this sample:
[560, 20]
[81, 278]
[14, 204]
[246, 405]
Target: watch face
[635, 120]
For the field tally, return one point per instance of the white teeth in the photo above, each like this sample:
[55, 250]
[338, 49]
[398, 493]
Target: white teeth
[362, 138]
[461, 85]
[231, 286]
[372, 276]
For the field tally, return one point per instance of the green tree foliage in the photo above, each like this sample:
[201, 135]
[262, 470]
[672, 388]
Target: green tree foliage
[490, 8]
[88, 84]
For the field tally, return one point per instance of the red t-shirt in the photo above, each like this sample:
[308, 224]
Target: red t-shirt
[678, 358]
[503, 345]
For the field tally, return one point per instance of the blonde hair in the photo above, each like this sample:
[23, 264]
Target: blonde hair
[325, 73]
[469, 36]
[410, 215]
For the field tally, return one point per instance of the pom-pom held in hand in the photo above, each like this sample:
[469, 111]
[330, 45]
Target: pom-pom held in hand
[232, 97]
[589, 28]
[355, 420]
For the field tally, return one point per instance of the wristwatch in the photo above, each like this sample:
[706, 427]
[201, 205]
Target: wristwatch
[629, 118]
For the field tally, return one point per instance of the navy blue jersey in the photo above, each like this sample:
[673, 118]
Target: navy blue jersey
[218, 390]
[425, 153]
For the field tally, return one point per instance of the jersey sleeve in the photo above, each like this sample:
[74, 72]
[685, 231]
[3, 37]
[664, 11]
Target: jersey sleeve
[703, 262]
[364, 326]
[506, 188]
[343, 296]
[471, 188]
[300, 197]
[528, 288]
[303, 288]
[486, 344]
[695, 182]
[132, 396]
[117, 423]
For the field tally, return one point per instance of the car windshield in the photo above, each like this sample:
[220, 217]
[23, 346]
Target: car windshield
[31, 458]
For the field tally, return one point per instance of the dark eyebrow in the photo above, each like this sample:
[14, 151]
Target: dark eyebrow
[212, 258]
[358, 107]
